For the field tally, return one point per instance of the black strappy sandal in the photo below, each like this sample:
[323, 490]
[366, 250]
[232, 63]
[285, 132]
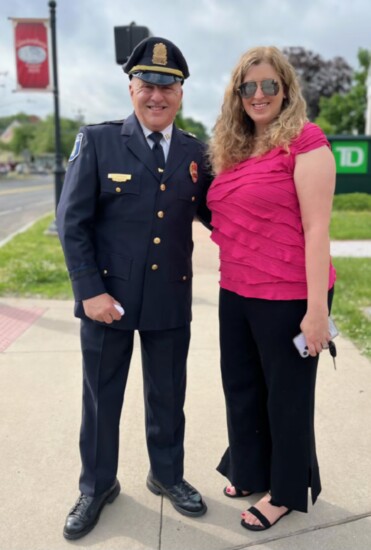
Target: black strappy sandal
[266, 524]
[240, 493]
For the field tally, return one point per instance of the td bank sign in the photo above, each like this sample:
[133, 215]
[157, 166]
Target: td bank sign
[351, 156]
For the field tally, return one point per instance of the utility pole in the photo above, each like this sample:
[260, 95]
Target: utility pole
[58, 167]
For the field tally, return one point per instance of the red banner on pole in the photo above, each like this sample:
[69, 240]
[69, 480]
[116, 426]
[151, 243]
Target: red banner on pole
[32, 54]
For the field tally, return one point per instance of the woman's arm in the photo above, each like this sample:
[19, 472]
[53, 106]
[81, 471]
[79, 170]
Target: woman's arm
[314, 177]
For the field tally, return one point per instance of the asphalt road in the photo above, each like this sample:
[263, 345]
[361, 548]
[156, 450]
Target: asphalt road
[23, 201]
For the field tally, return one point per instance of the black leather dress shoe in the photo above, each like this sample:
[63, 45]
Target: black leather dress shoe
[85, 514]
[185, 498]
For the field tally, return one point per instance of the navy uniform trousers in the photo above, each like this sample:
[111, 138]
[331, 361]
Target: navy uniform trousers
[106, 359]
[270, 393]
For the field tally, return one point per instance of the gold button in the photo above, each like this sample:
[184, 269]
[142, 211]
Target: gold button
[154, 267]
[160, 214]
[157, 240]
[105, 272]
[163, 187]
[118, 189]
[193, 198]
[184, 278]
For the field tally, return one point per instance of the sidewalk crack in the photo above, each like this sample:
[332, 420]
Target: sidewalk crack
[160, 527]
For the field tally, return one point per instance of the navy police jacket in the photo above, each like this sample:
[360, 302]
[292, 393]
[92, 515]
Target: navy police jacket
[126, 229]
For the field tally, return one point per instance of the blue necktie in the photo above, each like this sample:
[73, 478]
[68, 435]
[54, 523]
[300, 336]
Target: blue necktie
[157, 149]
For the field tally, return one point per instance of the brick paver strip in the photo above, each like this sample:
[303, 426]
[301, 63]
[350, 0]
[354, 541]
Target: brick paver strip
[14, 321]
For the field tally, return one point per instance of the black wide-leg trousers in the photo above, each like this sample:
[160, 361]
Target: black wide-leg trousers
[269, 391]
[106, 360]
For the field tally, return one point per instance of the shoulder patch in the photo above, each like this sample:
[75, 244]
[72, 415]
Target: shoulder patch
[76, 148]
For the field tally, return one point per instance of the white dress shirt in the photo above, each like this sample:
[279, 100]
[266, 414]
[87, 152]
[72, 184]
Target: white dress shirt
[165, 141]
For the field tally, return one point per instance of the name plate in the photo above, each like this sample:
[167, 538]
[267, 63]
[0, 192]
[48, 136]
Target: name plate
[122, 178]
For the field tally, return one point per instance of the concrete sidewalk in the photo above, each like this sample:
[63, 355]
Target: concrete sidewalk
[39, 461]
[351, 249]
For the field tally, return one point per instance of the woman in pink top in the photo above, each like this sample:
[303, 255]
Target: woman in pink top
[271, 205]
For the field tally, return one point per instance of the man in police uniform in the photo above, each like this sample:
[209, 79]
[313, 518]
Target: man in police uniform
[125, 215]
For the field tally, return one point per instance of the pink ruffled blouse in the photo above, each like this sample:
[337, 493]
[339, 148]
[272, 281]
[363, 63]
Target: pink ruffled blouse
[257, 224]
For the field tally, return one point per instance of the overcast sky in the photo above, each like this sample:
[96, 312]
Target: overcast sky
[212, 35]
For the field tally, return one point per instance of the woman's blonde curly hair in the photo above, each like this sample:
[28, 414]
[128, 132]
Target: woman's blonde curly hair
[233, 138]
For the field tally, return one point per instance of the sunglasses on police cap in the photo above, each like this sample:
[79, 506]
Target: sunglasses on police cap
[268, 87]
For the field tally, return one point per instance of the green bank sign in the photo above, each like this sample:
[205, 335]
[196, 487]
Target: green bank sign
[351, 156]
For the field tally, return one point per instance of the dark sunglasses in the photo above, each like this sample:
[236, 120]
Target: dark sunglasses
[268, 87]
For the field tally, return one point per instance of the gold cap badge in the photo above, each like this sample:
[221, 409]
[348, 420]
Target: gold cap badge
[159, 56]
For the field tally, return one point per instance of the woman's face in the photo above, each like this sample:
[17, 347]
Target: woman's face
[263, 106]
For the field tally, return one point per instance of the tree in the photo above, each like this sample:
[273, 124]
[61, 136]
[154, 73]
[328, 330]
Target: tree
[44, 138]
[6, 120]
[38, 138]
[22, 139]
[345, 113]
[319, 78]
[192, 126]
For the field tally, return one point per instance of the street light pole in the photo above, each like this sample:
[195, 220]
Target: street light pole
[58, 167]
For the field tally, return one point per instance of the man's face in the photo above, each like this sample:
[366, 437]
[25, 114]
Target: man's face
[155, 106]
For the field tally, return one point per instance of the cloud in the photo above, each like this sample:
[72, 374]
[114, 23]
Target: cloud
[211, 33]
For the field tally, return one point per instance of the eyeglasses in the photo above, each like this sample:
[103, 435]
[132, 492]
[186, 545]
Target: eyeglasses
[268, 87]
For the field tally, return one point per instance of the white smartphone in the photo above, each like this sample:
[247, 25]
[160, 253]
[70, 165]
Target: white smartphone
[301, 344]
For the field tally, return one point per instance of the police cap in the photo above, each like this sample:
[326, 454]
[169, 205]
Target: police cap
[157, 61]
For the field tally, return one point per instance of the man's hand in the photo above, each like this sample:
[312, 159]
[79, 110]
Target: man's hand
[102, 308]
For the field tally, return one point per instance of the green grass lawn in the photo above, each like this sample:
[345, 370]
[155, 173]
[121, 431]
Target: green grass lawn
[352, 296]
[32, 264]
[350, 225]
[351, 217]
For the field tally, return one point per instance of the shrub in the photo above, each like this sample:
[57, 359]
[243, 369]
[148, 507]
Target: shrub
[353, 201]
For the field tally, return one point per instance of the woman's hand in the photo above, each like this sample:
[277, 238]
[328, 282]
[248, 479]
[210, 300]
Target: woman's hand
[316, 331]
